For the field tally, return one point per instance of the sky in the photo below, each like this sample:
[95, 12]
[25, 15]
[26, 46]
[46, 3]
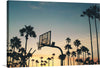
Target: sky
[63, 19]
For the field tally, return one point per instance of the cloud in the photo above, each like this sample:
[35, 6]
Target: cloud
[39, 5]
[34, 6]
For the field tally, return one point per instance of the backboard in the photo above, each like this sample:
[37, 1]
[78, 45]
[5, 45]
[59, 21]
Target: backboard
[45, 38]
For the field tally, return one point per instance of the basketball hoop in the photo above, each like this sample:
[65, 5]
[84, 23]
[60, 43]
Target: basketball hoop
[44, 39]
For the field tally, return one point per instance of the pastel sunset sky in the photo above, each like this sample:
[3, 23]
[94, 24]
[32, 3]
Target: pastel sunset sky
[63, 19]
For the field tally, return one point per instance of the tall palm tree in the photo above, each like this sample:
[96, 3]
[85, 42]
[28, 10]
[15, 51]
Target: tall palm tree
[68, 46]
[95, 12]
[48, 61]
[77, 43]
[28, 30]
[89, 15]
[32, 62]
[73, 55]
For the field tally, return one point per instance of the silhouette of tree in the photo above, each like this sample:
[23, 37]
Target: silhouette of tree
[88, 54]
[15, 43]
[53, 59]
[68, 54]
[73, 55]
[79, 53]
[37, 63]
[95, 10]
[32, 61]
[68, 40]
[86, 51]
[41, 61]
[88, 13]
[45, 62]
[68, 46]
[77, 43]
[28, 30]
[24, 56]
[70, 60]
[48, 61]
[83, 48]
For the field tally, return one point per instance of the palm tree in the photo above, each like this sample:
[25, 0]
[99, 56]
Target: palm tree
[73, 55]
[37, 63]
[15, 43]
[45, 62]
[41, 60]
[68, 53]
[32, 61]
[83, 48]
[53, 59]
[79, 53]
[88, 54]
[89, 15]
[68, 40]
[77, 43]
[28, 30]
[86, 51]
[22, 53]
[95, 12]
[70, 61]
[48, 61]
[68, 46]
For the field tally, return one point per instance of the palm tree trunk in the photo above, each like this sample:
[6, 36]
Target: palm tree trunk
[48, 63]
[36, 65]
[91, 38]
[73, 61]
[77, 56]
[52, 62]
[83, 56]
[29, 62]
[68, 57]
[97, 40]
[26, 42]
[32, 63]
[68, 60]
